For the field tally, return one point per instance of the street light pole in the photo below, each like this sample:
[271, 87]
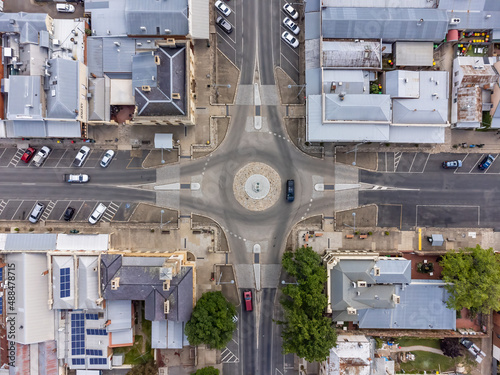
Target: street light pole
[354, 216]
[302, 87]
[285, 283]
[161, 219]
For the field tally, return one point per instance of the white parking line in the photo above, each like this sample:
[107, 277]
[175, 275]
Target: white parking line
[425, 165]
[18, 207]
[64, 211]
[413, 161]
[477, 162]
[446, 205]
[290, 63]
[57, 165]
[48, 209]
[110, 212]
[5, 149]
[463, 160]
[16, 158]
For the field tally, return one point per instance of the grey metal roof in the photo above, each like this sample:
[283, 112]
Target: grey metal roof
[24, 98]
[99, 107]
[175, 335]
[475, 20]
[358, 107]
[312, 54]
[142, 282]
[348, 81]
[144, 70]
[417, 134]
[157, 17]
[385, 23]
[117, 54]
[380, 3]
[312, 25]
[431, 107]
[159, 334]
[94, 56]
[44, 39]
[25, 128]
[422, 306]
[394, 271]
[119, 312]
[63, 129]
[59, 262]
[28, 25]
[313, 80]
[199, 21]
[62, 94]
[414, 53]
[461, 4]
[312, 6]
[350, 54]
[30, 242]
[88, 282]
[171, 79]
[402, 84]
[108, 17]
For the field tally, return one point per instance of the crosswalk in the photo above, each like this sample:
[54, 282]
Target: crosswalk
[2, 205]
[15, 159]
[48, 210]
[110, 212]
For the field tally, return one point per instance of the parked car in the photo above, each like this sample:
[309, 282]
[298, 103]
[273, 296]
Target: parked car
[247, 296]
[224, 25]
[76, 178]
[290, 39]
[65, 8]
[97, 214]
[485, 164]
[28, 154]
[106, 159]
[68, 214]
[36, 212]
[452, 164]
[290, 190]
[473, 349]
[290, 11]
[41, 156]
[223, 8]
[81, 156]
[292, 26]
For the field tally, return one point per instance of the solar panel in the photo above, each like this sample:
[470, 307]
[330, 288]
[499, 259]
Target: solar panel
[91, 317]
[1, 305]
[78, 361]
[98, 361]
[64, 282]
[77, 334]
[1, 274]
[94, 352]
[93, 331]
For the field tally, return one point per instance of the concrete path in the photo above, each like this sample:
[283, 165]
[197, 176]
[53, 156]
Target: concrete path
[415, 348]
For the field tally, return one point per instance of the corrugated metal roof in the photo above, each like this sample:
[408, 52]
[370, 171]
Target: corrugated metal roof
[44, 39]
[84, 242]
[159, 334]
[312, 54]
[63, 129]
[402, 84]
[394, 271]
[417, 134]
[175, 334]
[313, 80]
[94, 56]
[380, 3]
[26, 128]
[62, 95]
[461, 4]
[414, 53]
[15, 22]
[32, 294]
[348, 81]
[358, 107]
[68, 301]
[108, 17]
[157, 17]
[99, 108]
[199, 19]
[144, 70]
[24, 97]
[312, 25]
[312, 6]
[88, 282]
[117, 54]
[120, 315]
[163, 140]
[349, 54]
[28, 34]
[388, 24]
[422, 306]
[30, 242]
[475, 20]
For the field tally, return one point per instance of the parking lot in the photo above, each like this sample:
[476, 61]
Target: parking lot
[229, 44]
[416, 162]
[289, 56]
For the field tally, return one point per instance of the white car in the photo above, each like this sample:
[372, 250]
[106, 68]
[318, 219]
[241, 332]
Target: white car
[290, 39]
[81, 156]
[97, 214]
[223, 8]
[41, 156]
[292, 26]
[76, 178]
[65, 8]
[290, 11]
[106, 159]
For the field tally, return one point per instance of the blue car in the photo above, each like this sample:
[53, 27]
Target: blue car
[485, 164]
[290, 190]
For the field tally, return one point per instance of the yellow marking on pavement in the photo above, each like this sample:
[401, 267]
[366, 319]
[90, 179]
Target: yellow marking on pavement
[420, 238]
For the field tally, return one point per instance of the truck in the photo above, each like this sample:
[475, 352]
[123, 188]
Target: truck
[41, 156]
[76, 178]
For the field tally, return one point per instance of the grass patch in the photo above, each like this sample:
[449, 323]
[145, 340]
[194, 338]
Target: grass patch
[411, 341]
[425, 361]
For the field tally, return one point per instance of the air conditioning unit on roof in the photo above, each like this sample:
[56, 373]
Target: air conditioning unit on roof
[351, 311]
[455, 21]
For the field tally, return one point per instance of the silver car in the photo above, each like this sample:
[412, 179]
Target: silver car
[36, 212]
[81, 156]
[292, 26]
[97, 214]
[223, 8]
[290, 39]
[106, 159]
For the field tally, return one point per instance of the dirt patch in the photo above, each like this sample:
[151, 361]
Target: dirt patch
[296, 130]
[226, 73]
[203, 221]
[366, 218]
[218, 131]
[365, 160]
[289, 95]
[146, 213]
[155, 158]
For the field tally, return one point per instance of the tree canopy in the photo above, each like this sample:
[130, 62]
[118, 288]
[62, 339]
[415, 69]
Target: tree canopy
[306, 332]
[473, 274]
[146, 368]
[211, 322]
[207, 371]
[451, 347]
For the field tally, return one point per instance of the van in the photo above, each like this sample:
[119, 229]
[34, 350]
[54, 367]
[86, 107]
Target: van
[36, 212]
[290, 190]
[97, 214]
[65, 8]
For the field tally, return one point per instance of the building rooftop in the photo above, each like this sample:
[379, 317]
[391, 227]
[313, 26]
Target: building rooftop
[349, 54]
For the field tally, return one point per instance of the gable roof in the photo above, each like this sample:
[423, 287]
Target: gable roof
[62, 95]
[358, 107]
[27, 25]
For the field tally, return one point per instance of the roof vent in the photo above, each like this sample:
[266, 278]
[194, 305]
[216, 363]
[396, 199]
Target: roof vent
[342, 95]
[108, 32]
[455, 21]
[118, 44]
[351, 311]
[361, 284]
[139, 44]
[376, 271]
[12, 21]
[176, 95]
[487, 16]
[166, 285]
[166, 307]
[353, 284]
[157, 60]
[143, 28]
[115, 283]
[168, 31]
[405, 80]
[396, 298]
[146, 88]
[171, 42]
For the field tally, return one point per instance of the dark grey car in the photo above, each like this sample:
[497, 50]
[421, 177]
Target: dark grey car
[226, 26]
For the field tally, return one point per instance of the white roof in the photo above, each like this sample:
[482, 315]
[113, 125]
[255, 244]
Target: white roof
[85, 242]
[32, 294]
[60, 284]
[352, 354]
[88, 282]
[163, 140]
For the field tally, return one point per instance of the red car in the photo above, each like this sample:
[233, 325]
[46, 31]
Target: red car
[248, 300]
[28, 154]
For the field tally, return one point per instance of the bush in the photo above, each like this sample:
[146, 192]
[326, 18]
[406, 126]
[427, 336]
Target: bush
[386, 232]
[370, 233]
[16, 229]
[357, 232]
[152, 230]
[387, 144]
[31, 229]
[207, 371]
[451, 347]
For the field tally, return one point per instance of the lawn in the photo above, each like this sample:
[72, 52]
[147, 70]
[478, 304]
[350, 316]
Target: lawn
[134, 355]
[411, 341]
[425, 361]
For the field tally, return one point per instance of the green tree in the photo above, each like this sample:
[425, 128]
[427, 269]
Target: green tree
[211, 322]
[306, 332]
[207, 371]
[472, 274]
